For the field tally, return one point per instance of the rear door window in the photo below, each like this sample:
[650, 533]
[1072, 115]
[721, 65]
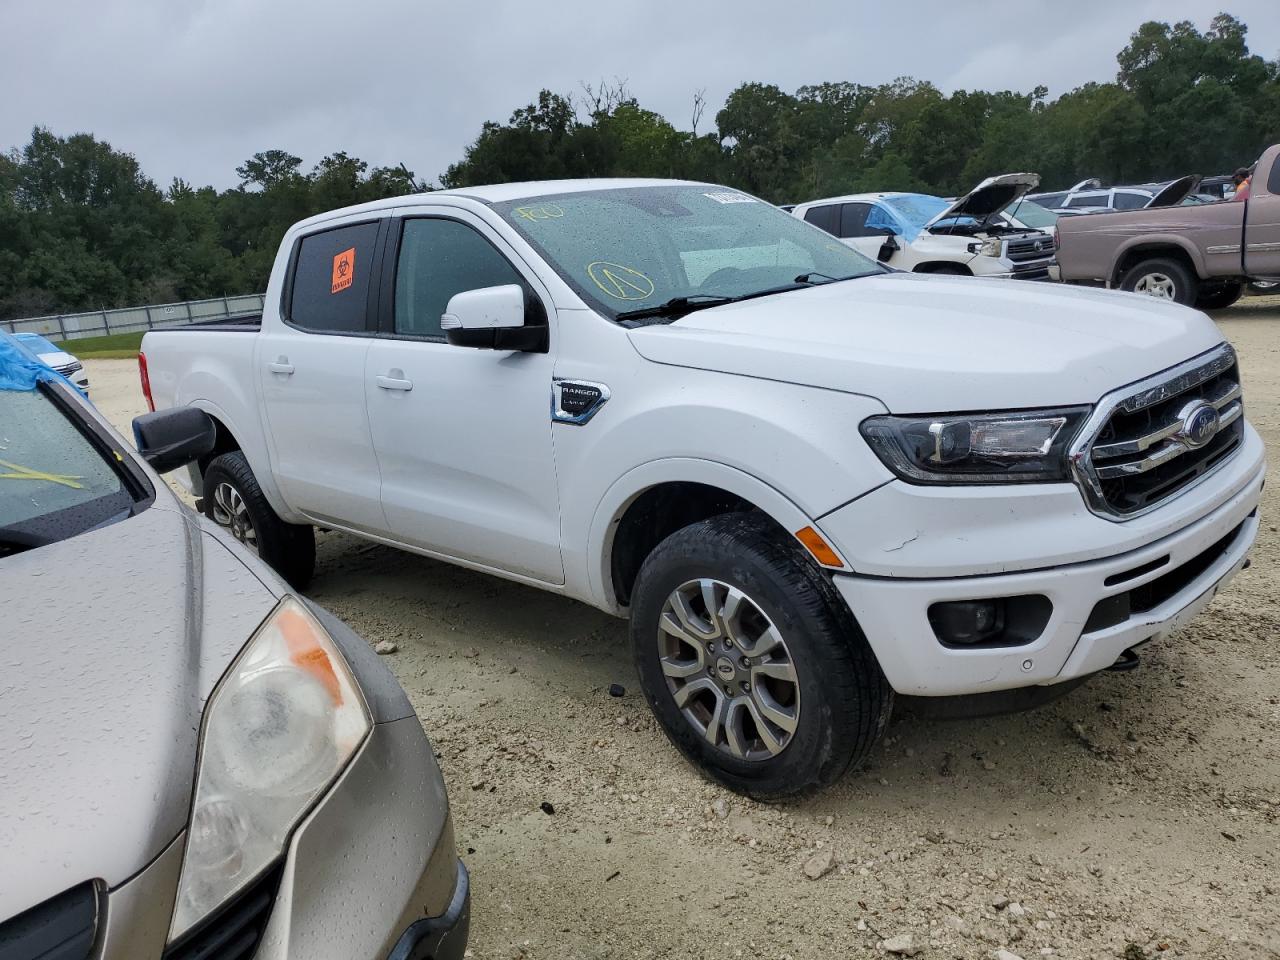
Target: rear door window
[331, 277]
[440, 258]
[827, 217]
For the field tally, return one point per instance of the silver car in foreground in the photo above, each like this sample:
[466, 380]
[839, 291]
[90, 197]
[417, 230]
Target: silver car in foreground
[194, 762]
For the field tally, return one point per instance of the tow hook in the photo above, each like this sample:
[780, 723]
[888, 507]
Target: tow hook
[1129, 660]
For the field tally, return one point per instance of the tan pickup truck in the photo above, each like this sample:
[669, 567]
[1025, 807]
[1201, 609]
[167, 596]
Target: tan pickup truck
[1198, 254]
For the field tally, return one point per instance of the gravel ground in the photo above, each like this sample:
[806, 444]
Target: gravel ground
[1137, 817]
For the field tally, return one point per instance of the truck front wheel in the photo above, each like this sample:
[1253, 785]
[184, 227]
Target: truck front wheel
[234, 501]
[753, 665]
[1162, 280]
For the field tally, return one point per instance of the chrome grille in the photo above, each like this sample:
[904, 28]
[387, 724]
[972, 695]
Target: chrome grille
[1151, 441]
[1031, 256]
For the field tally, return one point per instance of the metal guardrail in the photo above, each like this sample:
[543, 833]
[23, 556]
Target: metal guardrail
[100, 323]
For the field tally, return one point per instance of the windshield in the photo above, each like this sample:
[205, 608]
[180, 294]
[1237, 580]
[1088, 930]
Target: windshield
[632, 248]
[54, 482]
[1031, 214]
[36, 343]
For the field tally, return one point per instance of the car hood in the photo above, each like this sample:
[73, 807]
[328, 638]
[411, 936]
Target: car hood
[111, 643]
[56, 359]
[937, 344]
[989, 197]
[1174, 193]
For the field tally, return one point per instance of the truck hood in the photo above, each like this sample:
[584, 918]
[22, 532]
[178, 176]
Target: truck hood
[990, 197]
[1174, 193]
[111, 643]
[939, 344]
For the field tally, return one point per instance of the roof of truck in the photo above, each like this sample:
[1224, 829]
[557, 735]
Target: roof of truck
[503, 192]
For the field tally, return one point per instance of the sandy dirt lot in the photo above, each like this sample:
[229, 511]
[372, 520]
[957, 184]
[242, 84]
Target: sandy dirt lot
[1137, 817]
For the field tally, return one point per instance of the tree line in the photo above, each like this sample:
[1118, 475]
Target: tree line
[82, 227]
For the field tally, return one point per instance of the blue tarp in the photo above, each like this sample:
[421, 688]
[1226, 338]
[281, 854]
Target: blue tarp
[20, 369]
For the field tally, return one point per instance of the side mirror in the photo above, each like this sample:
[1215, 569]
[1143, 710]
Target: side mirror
[168, 439]
[494, 318]
[888, 248]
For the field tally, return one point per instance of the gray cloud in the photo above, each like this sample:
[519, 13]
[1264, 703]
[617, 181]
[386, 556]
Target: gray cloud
[193, 89]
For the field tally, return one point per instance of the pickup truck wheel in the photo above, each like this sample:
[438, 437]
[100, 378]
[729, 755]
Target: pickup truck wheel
[234, 501]
[1162, 280]
[754, 667]
[1219, 298]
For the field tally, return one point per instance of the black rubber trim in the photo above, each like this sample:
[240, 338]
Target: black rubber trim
[443, 937]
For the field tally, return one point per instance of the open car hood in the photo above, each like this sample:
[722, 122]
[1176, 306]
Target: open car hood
[1176, 192]
[990, 197]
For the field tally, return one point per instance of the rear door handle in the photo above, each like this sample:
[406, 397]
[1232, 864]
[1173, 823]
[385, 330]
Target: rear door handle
[280, 366]
[394, 383]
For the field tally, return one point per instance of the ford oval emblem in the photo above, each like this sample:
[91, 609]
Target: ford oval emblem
[1199, 424]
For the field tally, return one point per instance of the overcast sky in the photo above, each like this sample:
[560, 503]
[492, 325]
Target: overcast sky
[194, 87]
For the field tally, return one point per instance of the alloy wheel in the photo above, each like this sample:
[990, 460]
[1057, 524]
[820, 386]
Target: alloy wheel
[1158, 285]
[728, 670]
[230, 511]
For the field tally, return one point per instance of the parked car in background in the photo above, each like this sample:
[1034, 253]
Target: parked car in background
[916, 232]
[1100, 199]
[198, 763]
[806, 480]
[55, 357]
[1201, 255]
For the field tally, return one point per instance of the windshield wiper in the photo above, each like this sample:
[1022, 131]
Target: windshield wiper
[676, 307]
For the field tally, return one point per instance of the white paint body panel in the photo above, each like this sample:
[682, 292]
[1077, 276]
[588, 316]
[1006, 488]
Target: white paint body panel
[762, 399]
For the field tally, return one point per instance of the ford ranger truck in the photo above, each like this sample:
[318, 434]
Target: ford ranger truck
[808, 481]
[1202, 254]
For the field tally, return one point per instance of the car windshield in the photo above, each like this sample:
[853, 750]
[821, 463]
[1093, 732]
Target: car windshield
[631, 249]
[37, 343]
[1031, 214]
[55, 482]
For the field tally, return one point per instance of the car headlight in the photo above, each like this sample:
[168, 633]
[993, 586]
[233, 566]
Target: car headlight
[991, 247]
[1015, 447]
[278, 729]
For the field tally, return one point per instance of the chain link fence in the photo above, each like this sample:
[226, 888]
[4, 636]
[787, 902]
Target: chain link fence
[101, 323]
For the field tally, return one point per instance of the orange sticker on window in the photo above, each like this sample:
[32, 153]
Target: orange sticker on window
[344, 270]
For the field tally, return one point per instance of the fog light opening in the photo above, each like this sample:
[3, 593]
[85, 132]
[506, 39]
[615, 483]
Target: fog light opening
[990, 621]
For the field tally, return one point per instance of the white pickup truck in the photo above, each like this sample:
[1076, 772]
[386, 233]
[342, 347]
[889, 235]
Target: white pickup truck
[809, 481]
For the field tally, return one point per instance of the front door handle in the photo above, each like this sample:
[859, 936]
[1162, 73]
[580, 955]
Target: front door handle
[280, 366]
[394, 383]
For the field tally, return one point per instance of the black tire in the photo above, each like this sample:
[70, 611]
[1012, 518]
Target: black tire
[843, 699]
[289, 548]
[1185, 285]
[1220, 297]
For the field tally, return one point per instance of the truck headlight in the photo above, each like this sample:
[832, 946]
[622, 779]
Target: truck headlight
[1015, 447]
[991, 247]
[278, 729]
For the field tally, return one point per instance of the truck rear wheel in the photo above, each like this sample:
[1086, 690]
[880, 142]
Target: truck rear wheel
[753, 665]
[1162, 280]
[234, 501]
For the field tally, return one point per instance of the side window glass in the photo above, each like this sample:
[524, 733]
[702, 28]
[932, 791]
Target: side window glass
[827, 217]
[1124, 200]
[439, 258]
[1088, 200]
[331, 280]
[852, 218]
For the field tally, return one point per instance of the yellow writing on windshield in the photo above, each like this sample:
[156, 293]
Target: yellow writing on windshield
[19, 472]
[545, 211]
[619, 282]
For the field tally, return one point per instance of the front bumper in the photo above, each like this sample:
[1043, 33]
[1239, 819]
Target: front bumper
[443, 937]
[893, 612]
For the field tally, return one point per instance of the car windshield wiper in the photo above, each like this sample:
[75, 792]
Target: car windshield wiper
[676, 307]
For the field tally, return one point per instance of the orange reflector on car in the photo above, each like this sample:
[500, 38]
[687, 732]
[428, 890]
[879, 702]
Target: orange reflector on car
[306, 652]
[820, 549]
